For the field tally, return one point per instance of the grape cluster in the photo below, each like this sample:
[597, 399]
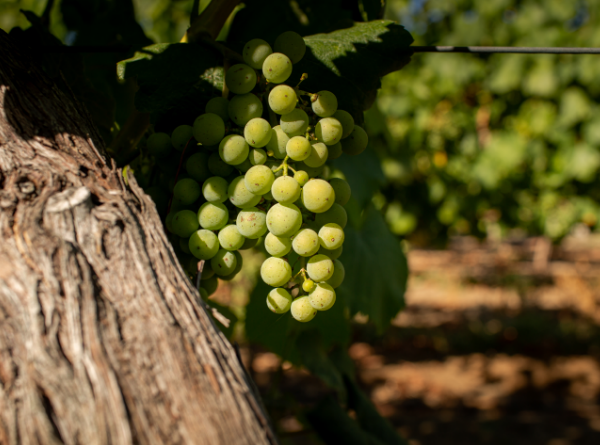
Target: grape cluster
[251, 178]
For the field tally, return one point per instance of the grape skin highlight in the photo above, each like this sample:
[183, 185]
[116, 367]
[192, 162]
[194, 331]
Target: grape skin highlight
[213, 215]
[223, 263]
[302, 310]
[252, 222]
[319, 268]
[322, 297]
[230, 238]
[331, 236]
[275, 272]
[214, 189]
[277, 246]
[306, 242]
[203, 244]
[279, 301]
[324, 103]
[278, 142]
[233, 149]
[283, 99]
[277, 67]
[329, 131]
[285, 190]
[318, 196]
[298, 148]
[259, 179]
[284, 219]
[318, 155]
[257, 132]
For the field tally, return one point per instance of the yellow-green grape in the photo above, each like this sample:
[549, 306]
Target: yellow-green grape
[277, 246]
[339, 273]
[301, 177]
[333, 254]
[294, 123]
[324, 103]
[356, 143]
[308, 285]
[302, 310]
[284, 219]
[336, 214]
[207, 271]
[223, 263]
[240, 78]
[233, 149]
[334, 151]
[217, 167]
[306, 242]
[187, 191]
[197, 167]
[318, 155]
[159, 145]
[342, 190]
[244, 166]
[279, 300]
[275, 271]
[319, 268]
[203, 244]
[183, 245]
[249, 243]
[257, 156]
[329, 130]
[210, 285]
[277, 143]
[213, 215]
[277, 67]
[255, 52]
[240, 196]
[238, 267]
[230, 237]
[244, 107]
[312, 172]
[218, 106]
[322, 297]
[259, 179]
[184, 223]
[215, 189]
[252, 222]
[298, 148]
[291, 44]
[181, 136]
[318, 196]
[209, 129]
[285, 190]
[282, 99]
[331, 236]
[346, 120]
[257, 132]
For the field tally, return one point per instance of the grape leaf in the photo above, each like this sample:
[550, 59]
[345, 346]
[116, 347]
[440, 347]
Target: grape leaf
[364, 174]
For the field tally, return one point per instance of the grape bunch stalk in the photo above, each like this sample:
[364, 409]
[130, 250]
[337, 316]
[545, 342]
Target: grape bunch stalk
[252, 178]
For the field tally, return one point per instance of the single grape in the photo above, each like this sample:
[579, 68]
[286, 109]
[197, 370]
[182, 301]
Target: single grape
[285, 190]
[244, 107]
[210, 285]
[181, 136]
[319, 268]
[334, 151]
[294, 123]
[277, 246]
[301, 177]
[255, 52]
[275, 271]
[331, 236]
[240, 196]
[283, 99]
[159, 145]
[308, 285]
[346, 120]
[291, 44]
[318, 196]
[257, 132]
[223, 263]
[277, 143]
[240, 78]
[302, 310]
[279, 300]
[277, 67]
[312, 172]
[233, 149]
[197, 167]
[298, 148]
[218, 106]
[209, 129]
[324, 103]
[336, 214]
[184, 223]
[306, 242]
[249, 243]
[333, 254]
[187, 191]
[257, 156]
[218, 167]
[342, 190]
[329, 131]
[203, 244]
[230, 238]
[252, 222]
[237, 269]
[215, 189]
[355, 143]
[213, 215]
[183, 245]
[284, 219]
[318, 155]
[322, 297]
[259, 179]
[339, 273]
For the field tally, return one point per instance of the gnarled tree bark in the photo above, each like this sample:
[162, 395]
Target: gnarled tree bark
[102, 337]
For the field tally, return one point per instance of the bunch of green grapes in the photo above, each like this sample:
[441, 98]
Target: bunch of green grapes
[253, 167]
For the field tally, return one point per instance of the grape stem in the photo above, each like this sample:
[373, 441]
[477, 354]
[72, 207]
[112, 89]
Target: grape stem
[284, 165]
[302, 79]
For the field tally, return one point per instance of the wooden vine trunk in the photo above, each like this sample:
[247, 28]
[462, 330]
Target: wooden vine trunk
[102, 336]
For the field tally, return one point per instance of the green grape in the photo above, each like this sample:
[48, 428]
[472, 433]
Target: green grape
[291, 44]
[249, 243]
[333, 254]
[244, 166]
[233, 149]
[257, 132]
[240, 196]
[318, 196]
[183, 245]
[257, 156]
[244, 107]
[230, 238]
[334, 151]
[240, 78]
[210, 285]
[329, 131]
[215, 189]
[279, 300]
[342, 190]
[169, 220]
[217, 167]
[308, 285]
[203, 244]
[283, 99]
[322, 297]
[197, 167]
[218, 106]
[259, 179]
[318, 155]
[187, 191]
[268, 196]
[339, 273]
[277, 68]
[159, 145]
[306, 242]
[331, 236]
[209, 129]
[294, 123]
[284, 219]
[255, 52]
[277, 246]
[213, 215]
[298, 148]
[285, 190]
[324, 103]
[319, 268]
[223, 263]
[312, 172]
[346, 120]
[275, 271]
[252, 222]
[207, 271]
[181, 136]
[238, 267]
[277, 143]
[302, 310]
[184, 223]
[336, 214]
[356, 143]
[301, 177]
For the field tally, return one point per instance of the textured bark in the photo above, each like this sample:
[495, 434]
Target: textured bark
[102, 336]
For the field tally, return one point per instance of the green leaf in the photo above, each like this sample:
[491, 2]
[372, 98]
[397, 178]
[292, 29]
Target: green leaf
[364, 174]
[315, 357]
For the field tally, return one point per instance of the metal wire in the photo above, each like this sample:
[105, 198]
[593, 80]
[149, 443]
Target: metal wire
[500, 49]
